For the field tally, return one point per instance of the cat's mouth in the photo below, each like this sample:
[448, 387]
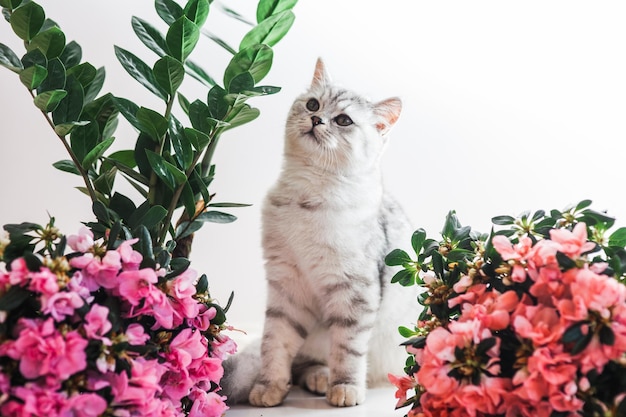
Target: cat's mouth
[311, 134]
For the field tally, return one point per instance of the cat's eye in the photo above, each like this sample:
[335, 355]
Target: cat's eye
[343, 120]
[313, 105]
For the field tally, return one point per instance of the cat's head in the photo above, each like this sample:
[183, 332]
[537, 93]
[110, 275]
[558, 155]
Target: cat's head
[336, 129]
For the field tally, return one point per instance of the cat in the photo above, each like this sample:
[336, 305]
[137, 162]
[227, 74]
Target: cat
[332, 312]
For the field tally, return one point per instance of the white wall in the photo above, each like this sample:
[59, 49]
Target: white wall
[507, 106]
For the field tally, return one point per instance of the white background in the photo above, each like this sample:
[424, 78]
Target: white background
[508, 106]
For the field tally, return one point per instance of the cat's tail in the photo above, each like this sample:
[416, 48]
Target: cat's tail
[240, 373]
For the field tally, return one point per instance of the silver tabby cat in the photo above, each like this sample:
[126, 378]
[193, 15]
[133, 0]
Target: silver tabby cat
[332, 314]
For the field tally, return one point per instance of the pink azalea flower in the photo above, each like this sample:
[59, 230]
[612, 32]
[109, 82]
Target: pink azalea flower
[61, 304]
[42, 350]
[131, 259]
[572, 243]
[203, 320]
[223, 346]
[19, 273]
[99, 272]
[540, 324]
[515, 253]
[40, 401]
[181, 290]
[97, 323]
[207, 404]
[136, 334]
[403, 384]
[492, 309]
[137, 285]
[82, 242]
[206, 370]
[44, 282]
[84, 405]
[188, 346]
[157, 305]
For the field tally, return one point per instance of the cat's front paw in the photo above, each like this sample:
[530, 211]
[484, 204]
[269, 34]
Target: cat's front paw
[345, 395]
[268, 395]
[315, 379]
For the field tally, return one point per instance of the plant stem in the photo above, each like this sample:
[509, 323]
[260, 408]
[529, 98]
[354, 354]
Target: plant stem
[77, 163]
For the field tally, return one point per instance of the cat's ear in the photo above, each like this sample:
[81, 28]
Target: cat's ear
[320, 77]
[388, 112]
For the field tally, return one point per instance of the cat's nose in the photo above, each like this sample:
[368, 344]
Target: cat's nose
[316, 121]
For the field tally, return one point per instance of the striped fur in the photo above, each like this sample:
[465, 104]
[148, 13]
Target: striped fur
[332, 313]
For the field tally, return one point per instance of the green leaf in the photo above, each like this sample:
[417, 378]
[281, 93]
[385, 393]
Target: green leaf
[241, 115]
[256, 59]
[241, 82]
[154, 216]
[32, 77]
[71, 55]
[216, 217]
[198, 115]
[149, 36]
[270, 31]
[195, 71]
[83, 139]
[267, 8]
[14, 297]
[217, 104]
[417, 240]
[122, 205]
[184, 103]
[397, 257]
[34, 57]
[181, 38]
[101, 213]
[91, 92]
[152, 123]
[607, 336]
[168, 173]
[140, 71]
[188, 199]
[142, 145]
[85, 73]
[27, 20]
[105, 181]
[71, 107]
[66, 166]
[49, 100]
[199, 140]
[406, 332]
[50, 42]
[179, 265]
[197, 11]
[438, 264]
[169, 73]
[168, 10]
[185, 229]
[230, 205]
[128, 110]
[9, 60]
[144, 246]
[64, 129]
[97, 152]
[582, 205]
[56, 76]
[618, 237]
[234, 14]
[181, 144]
[503, 220]
[125, 157]
[404, 277]
[10, 4]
